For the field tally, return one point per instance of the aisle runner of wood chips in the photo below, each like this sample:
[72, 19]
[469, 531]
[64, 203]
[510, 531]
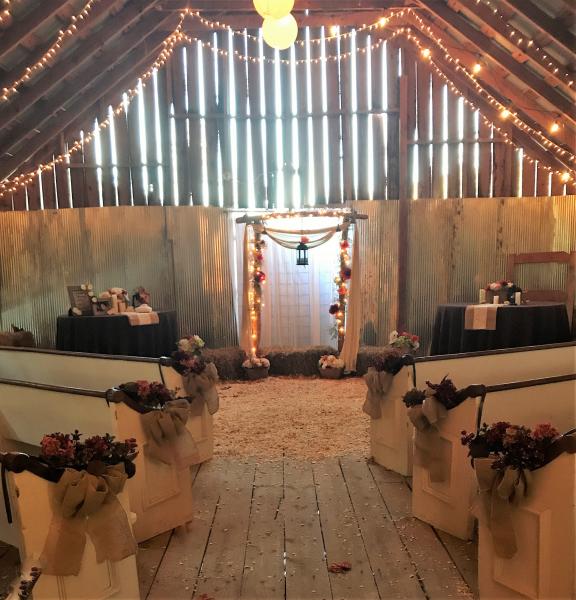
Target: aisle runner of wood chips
[270, 530]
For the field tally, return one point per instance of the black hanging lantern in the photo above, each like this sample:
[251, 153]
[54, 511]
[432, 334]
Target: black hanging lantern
[302, 250]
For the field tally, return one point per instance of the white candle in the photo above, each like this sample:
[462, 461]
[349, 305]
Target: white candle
[496, 300]
[518, 298]
[482, 299]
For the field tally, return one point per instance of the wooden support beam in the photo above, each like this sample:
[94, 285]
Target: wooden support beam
[497, 25]
[69, 90]
[21, 29]
[100, 10]
[220, 6]
[94, 43]
[554, 28]
[489, 111]
[485, 45]
[115, 78]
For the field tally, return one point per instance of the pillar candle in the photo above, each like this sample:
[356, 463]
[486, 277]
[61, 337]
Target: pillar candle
[482, 299]
[518, 298]
[496, 300]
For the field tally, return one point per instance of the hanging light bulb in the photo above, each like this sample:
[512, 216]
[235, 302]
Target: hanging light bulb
[280, 33]
[273, 9]
[504, 114]
[565, 177]
[555, 127]
[334, 29]
[476, 68]
[425, 52]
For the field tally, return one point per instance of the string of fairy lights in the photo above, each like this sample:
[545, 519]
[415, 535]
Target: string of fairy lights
[64, 35]
[5, 16]
[525, 41]
[178, 37]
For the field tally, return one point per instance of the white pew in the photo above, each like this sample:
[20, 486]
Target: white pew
[30, 503]
[101, 372]
[391, 435]
[160, 494]
[446, 505]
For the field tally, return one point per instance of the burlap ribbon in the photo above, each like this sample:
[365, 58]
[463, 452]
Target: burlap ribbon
[429, 450]
[498, 490]
[166, 431]
[201, 390]
[378, 383]
[85, 503]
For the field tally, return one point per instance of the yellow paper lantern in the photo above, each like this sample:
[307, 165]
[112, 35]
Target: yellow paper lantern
[280, 33]
[274, 9]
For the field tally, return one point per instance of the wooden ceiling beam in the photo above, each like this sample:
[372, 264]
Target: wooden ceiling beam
[254, 21]
[21, 29]
[96, 71]
[97, 41]
[498, 26]
[100, 10]
[487, 46]
[497, 81]
[247, 6]
[490, 112]
[557, 29]
[140, 58]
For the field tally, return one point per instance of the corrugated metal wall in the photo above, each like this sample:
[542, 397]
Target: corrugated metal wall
[42, 252]
[182, 255]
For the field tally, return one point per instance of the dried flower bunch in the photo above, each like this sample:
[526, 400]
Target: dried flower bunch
[445, 392]
[67, 450]
[151, 394]
[192, 344]
[514, 446]
[188, 358]
[256, 362]
[389, 362]
[329, 361]
[404, 340]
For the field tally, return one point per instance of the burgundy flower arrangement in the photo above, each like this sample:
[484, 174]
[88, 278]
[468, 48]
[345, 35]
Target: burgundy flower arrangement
[389, 362]
[150, 394]
[66, 450]
[186, 363]
[514, 446]
[445, 392]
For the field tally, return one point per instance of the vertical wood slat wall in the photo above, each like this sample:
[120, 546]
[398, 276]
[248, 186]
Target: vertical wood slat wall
[214, 130]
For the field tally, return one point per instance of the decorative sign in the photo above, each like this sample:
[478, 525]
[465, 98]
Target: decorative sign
[81, 299]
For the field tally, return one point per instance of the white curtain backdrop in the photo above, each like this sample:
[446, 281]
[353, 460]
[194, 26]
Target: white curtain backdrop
[296, 299]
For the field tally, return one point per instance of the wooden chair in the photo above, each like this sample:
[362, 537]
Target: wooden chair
[567, 295]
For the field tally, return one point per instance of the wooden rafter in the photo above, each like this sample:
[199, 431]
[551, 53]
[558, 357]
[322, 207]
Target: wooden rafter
[95, 42]
[498, 26]
[484, 44]
[116, 77]
[497, 81]
[490, 112]
[229, 6]
[21, 29]
[96, 72]
[556, 29]
[100, 10]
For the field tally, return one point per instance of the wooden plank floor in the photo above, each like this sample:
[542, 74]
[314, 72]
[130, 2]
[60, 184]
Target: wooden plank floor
[270, 530]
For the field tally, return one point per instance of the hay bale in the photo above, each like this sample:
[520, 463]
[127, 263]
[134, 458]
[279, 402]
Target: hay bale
[17, 338]
[228, 361]
[296, 361]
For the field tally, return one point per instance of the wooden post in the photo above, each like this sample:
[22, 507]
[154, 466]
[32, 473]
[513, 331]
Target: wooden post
[393, 146]
[362, 119]
[302, 110]
[241, 90]
[346, 98]
[334, 191]
[225, 120]
[437, 136]
[468, 169]
[181, 142]
[270, 125]
[378, 141]
[164, 81]
[424, 166]
[153, 191]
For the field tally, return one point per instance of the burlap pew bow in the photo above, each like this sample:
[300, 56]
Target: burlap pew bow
[378, 383]
[430, 451]
[201, 390]
[166, 431]
[86, 503]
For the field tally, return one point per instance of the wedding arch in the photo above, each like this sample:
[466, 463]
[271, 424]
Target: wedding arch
[346, 310]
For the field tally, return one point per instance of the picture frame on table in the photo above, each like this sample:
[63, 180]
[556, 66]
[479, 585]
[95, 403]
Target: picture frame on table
[81, 299]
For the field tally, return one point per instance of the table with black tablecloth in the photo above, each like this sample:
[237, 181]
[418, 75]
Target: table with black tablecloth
[532, 324]
[113, 334]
